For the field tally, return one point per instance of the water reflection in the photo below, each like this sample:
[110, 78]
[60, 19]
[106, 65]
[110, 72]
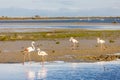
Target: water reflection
[74, 65]
[30, 75]
[42, 74]
[61, 71]
[38, 74]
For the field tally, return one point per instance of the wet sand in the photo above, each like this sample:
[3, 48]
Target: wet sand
[86, 50]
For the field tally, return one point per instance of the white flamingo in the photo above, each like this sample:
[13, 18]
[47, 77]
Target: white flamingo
[28, 50]
[74, 41]
[42, 53]
[101, 42]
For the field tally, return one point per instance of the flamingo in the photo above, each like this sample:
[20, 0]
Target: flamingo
[42, 53]
[28, 50]
[101, 42]
[74, 41]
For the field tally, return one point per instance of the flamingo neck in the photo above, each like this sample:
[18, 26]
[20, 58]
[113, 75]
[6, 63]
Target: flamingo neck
[71, 39]
[33, 46]
[38, 52]
[98, 40]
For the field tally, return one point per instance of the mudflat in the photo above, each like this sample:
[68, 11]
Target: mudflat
[60, 49]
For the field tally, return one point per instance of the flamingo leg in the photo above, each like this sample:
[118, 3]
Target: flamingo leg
[24, 58]
[104, 46]
[73, 46]
[29, 57]
[101, 47]
[42, 61]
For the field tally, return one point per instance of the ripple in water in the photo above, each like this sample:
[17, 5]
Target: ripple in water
[61, 71]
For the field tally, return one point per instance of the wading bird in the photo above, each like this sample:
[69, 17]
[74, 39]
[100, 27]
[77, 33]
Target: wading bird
[42, 53]
[101, 42]
[74, 41]
[28, 50]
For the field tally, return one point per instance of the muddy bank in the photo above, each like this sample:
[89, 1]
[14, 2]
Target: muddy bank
[60, 50]
[56, 43]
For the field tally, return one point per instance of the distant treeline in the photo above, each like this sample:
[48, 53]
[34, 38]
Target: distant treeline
[36, 17]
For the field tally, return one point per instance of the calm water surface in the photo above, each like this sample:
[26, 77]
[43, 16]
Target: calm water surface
[88, 20]
[61, 71]
[61, 23]
[98, 27]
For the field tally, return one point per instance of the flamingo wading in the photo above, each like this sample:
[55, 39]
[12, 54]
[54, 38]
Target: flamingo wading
[101, 42]
[28, 50]
[43, 54]
[74, 41]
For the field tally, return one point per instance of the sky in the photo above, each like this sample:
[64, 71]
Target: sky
[60, 7]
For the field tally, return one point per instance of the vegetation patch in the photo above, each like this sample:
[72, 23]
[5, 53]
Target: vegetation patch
[60, 34]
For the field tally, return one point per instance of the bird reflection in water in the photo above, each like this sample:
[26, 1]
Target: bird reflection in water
[74, 65]
[30, 75]
[42, 74]
[36, 75]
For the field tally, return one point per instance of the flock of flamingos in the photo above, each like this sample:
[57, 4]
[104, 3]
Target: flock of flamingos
[28, 50]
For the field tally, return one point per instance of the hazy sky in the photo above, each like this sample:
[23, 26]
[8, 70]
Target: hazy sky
[61, 7]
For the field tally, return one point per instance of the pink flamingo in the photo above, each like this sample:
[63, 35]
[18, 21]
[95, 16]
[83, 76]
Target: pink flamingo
[28, 50]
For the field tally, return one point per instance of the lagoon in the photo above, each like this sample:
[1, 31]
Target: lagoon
[92, 27]
[105, 24]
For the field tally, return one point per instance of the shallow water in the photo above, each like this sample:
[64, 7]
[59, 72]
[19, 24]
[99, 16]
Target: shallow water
[62, 23]
[98, 27]
[61, 71]
[104, 20]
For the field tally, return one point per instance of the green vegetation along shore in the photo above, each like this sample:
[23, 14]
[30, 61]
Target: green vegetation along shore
[59, 33]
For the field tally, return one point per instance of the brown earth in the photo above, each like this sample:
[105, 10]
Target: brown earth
[60, 50]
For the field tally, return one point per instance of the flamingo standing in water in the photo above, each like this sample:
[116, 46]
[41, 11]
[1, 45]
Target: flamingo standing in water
[42, 53]
[74, 41]
[101, 42]
[28, 50]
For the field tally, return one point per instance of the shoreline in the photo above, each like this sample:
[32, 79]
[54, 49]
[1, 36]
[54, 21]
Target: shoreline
[47, 27]
[20, 30]
[61, 24]
[32, 62]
